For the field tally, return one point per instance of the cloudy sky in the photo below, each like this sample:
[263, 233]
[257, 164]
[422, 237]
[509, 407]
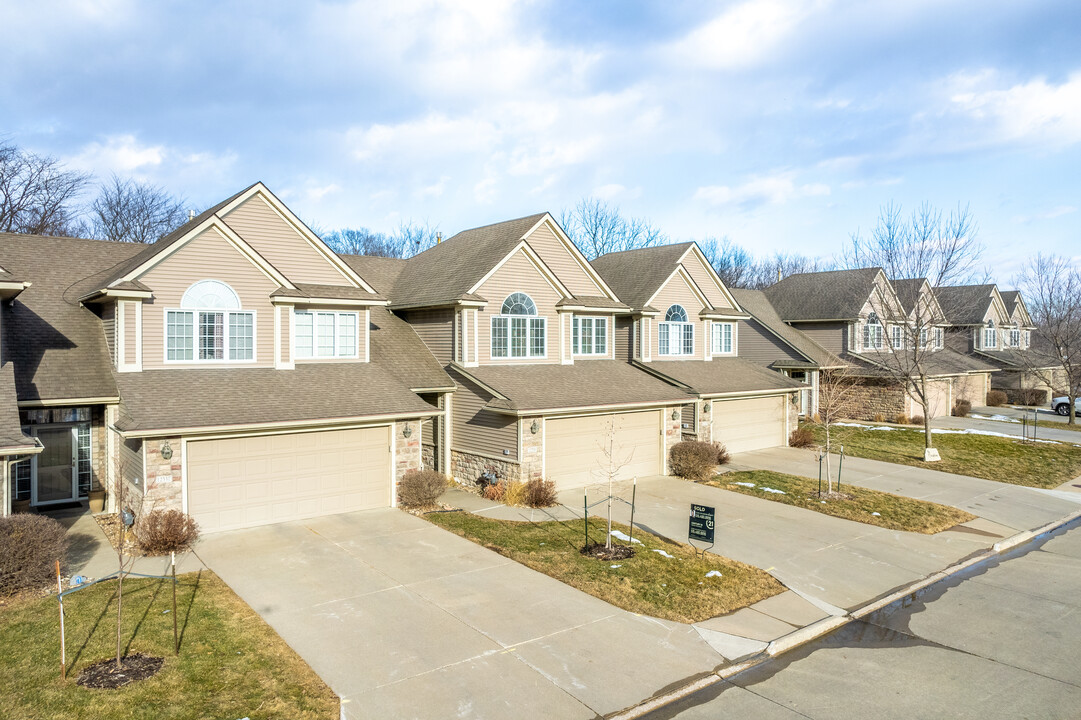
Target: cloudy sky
[783, 124]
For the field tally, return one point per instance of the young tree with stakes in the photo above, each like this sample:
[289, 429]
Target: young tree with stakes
[837, 400]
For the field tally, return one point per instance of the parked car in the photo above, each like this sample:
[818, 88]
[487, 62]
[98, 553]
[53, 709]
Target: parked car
[1061, 405]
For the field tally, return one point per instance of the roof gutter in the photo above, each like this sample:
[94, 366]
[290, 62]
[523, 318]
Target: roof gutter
[529, 412]
[108, 400]
[249, 428]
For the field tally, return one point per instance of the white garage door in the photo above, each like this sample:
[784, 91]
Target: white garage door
[575, 454]
[241, 482]
[938, 392]
[749, 424]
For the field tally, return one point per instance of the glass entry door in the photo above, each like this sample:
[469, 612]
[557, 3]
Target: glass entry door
[55, 465]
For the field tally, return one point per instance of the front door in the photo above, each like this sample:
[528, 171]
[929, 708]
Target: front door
[55, 465]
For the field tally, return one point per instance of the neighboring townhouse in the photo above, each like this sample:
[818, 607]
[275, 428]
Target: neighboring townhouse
[995, 327]
[682, 326]
[858, 316]
[236, 369]
[527, 330]
[769, 341]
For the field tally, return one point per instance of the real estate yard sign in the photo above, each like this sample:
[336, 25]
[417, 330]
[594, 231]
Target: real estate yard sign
[701, 524]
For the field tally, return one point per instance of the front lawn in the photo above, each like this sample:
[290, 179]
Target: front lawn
[866, 506]
[231, 663]
[1042, 464]
[673, 588]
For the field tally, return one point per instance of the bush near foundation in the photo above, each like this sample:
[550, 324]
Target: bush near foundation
[160, 532]
[696, 460]
[961, 408]
[1027, 396]
[802, 436]
[540, 493]
[421, 488]
[916, 420]
[995, 398]
[30, 545]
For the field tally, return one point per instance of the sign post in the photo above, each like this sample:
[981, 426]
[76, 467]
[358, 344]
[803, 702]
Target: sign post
[700, 527]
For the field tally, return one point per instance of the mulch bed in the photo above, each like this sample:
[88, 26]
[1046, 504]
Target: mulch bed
[600, 552]
[104, 674]
[112, 527]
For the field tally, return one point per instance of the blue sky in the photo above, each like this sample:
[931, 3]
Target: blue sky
[783, 125]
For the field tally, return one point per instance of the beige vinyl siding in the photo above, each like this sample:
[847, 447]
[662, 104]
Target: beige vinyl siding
[677, 292]
[286, 338]
[574, 455]
[207, 256]
[624, 339]
[833, 336]
[518, 274]
[477, 430]
[748, 424]
[561, 262]
[108, 325]
[703, 277]
[759, 345]
[436, 329]
[281, 244]
[131, 459]
[362, 331]
[688, 419]
[129, 331]
[256, 480]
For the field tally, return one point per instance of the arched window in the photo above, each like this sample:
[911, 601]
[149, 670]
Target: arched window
[209, 326]
[872, 333]
[518, 332]
[990, 336]
[675, 336]
[519, 304]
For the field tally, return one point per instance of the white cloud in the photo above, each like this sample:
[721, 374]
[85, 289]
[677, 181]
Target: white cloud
[774, 189]
[1035, 111]
[431, 136]
[318, 193]
[1051, 214]
[127, 156]
[609, 192]
[122, 154]
[435, 189]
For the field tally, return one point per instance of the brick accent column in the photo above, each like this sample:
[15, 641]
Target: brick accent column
[532, 460]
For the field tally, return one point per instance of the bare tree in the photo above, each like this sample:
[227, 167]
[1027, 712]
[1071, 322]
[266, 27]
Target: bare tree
[1052, 289]
[776, 267]
[37, 193]
[616, 457]
[130, 211]
[929, 250]
[598, 228]
[838, 397]
[362, 241]
[734, 265]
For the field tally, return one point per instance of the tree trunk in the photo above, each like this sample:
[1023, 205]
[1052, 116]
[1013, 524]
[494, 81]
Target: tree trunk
[1072, 418]
[829, 480]
[119, 605]
[926, 414]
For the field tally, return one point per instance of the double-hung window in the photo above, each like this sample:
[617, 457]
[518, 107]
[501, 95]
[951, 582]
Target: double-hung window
[1028, 338]
[324, 334]
[589, 335]
[675, 336]
[872, 333]
[723, 338]
[897, 337]
[518, 332]
[1015, 337]
[923, 338]
[209, 326]
[939, 337]
[990, 335]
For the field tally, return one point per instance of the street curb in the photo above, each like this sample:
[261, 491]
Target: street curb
[815, 630]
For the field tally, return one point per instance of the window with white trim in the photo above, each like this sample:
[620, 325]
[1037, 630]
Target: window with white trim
[872, 333]
[589, 335]
[1015, 337]
[923, 338]
[990, 335]
[897, 338]
[325, 334]
[1028, 338]
[724, 334]
[939, 338]
[675, 336]
[518, 332]
[209, 326]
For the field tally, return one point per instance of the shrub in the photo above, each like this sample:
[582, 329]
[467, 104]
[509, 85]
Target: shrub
[421, 488]
[1027, 396]
[161, 532]
[696, 460]
[494, 491]
[996, 398]
[879, 417]
[901, 419]
[961, 408]
[514, 493]
[540, 493]
[916, 420]
[30, 545]
[801, 437]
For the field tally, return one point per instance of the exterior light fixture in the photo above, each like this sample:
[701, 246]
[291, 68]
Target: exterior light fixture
[675, 414]
[166, 450]
[408, 431]
[534, 428]
[705, 406]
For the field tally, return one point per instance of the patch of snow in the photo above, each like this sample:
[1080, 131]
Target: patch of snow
[990, 433]
[615, 566]
[744, 484]
[866, 427]
[998, 418]
[876, 514]
[662, 552]
[822, 501]
[772, 490]
[714, 573]
[620, 535]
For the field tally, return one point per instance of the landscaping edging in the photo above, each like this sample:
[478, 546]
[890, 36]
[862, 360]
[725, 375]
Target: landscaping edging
[822, 627]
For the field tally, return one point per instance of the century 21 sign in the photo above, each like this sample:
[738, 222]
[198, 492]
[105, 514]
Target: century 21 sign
[701, 523]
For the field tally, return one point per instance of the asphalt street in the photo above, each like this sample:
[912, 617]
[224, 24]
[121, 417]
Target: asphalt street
[1002, 640]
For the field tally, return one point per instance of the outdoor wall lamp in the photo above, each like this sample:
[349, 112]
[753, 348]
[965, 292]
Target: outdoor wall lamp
[534, 428]
[675, 414]
[166, 450]
[408, 431]
[705, 407]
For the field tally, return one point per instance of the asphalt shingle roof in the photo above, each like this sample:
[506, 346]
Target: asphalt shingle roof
[965, 304]
[723, 376]
[379, 272]
[758, 305]
[636, 275]
[831, 295]
[11, 433]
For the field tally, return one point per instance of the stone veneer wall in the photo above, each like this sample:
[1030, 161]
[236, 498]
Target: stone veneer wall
[427, 456]
[873, 396]
[673, 431]
[793, 414]
[99, 455]
[407, 450]
[162, 486]
[705, 420]
[532, 459]
[467, 467]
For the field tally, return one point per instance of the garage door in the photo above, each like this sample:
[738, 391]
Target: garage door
[749, 424]
[242, 482]
[938, 392]
[574, 447]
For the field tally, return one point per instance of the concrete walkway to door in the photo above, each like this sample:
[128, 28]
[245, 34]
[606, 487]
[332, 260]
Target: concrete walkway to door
[405, 620]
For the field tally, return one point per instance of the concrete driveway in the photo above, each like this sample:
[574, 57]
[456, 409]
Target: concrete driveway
[405, 620]
[1008, 425]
